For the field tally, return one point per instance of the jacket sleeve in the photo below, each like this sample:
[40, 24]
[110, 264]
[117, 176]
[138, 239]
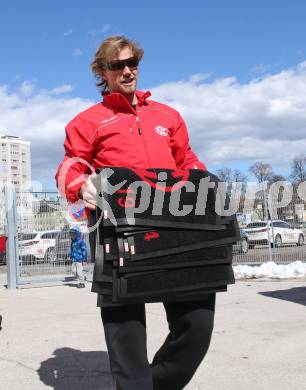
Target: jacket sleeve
[76, 165]
[184, 157]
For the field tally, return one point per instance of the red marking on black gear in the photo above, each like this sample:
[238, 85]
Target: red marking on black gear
[179, 178]
[151, 235]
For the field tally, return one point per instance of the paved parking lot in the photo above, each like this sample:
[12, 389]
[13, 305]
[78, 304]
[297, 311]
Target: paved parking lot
[52, 338]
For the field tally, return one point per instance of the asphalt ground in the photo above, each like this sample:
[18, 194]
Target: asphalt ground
[52, 338]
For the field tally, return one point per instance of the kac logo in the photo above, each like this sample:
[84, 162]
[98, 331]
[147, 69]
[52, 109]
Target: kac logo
[160, 130]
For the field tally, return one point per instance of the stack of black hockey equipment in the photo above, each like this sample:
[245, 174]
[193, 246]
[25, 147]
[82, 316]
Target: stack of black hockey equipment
[161, 235]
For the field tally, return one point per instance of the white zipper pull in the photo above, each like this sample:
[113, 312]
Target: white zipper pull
[138, 125]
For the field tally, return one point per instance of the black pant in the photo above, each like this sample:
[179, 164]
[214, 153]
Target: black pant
[190, 325]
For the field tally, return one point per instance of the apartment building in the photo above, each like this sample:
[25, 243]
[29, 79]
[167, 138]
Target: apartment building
[49, 214]
[15, 168]
[15, 164]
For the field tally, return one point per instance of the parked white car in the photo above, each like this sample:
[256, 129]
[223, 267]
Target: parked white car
[280, 233]
[38, 245]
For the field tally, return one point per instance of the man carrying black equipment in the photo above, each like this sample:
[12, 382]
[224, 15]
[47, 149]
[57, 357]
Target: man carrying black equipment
[129, 130]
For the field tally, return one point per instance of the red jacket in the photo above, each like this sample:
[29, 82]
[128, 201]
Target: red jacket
[113, 133]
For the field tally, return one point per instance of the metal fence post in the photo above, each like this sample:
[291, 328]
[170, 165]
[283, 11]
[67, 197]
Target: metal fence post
[266, 211]
[11, 233]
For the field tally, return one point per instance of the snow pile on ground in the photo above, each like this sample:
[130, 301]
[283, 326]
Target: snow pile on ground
[270, 269]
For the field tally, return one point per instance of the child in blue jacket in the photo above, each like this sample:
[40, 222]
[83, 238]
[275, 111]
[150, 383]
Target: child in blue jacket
[78, 255]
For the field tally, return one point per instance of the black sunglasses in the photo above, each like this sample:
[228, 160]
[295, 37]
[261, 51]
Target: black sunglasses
[131, 62]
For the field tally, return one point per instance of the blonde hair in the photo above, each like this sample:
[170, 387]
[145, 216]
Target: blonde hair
[108, 49]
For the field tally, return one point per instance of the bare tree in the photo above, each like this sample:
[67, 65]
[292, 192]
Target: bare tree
[262, 172]
[276, 177]
[231, 176]
[239, 176]
[225, 174]
[298, 169]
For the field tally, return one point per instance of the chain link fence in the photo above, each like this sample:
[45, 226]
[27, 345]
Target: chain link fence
[274, 229]
[43, 220]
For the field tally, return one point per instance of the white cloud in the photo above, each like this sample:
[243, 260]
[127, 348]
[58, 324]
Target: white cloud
[68, 32]
[98, 32]
[40, 118]
[261, 68]
[300, 52]
[61, 89]
[105, 28]
[198, 77]
[44, 36]
[264, 119]
[77, 52]
[26, 88]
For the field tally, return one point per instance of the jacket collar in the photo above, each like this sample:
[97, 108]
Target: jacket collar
[118, 101]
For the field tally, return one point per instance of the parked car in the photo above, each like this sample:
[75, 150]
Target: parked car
[62, 246]
[242, 246]
[38, 246]
[3, 249]
[280, 233]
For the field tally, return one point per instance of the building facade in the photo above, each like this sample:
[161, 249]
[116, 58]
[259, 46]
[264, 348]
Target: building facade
[49, 214]
[15, 164]
[15, 169]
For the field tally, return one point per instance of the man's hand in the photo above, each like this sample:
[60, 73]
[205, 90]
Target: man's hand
[88, 193]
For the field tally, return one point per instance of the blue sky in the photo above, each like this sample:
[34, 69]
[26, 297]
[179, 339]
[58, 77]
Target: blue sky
[48, 44]
[38, 38]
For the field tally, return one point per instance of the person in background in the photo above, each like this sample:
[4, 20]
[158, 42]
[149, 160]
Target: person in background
[78, 255]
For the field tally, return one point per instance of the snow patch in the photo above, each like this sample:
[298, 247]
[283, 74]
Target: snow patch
[270, 269]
